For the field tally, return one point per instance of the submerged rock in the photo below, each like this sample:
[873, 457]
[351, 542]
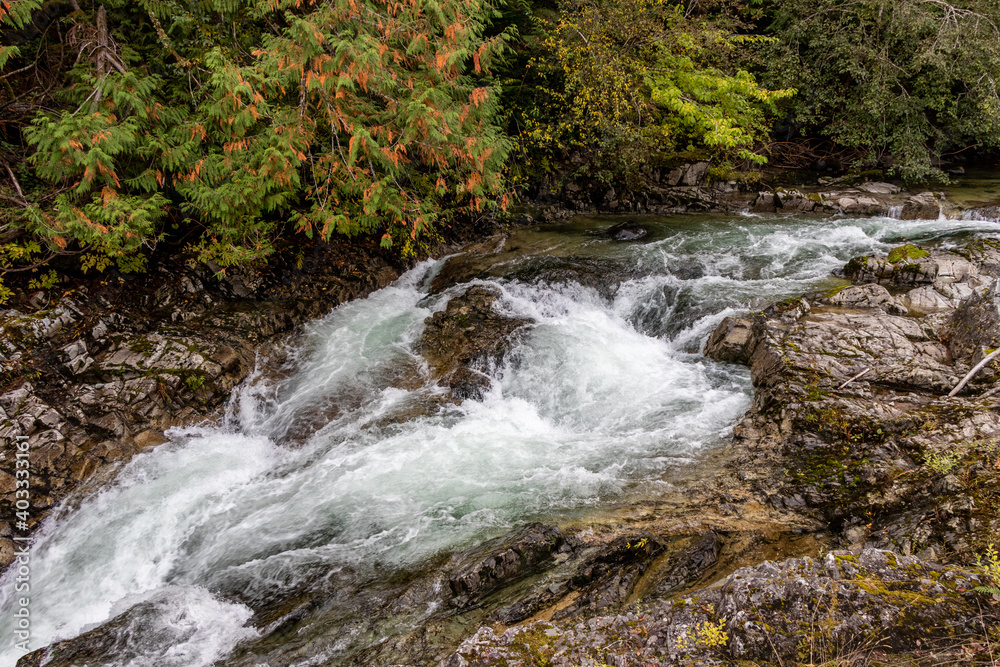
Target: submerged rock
[500, 562]
[627, 231]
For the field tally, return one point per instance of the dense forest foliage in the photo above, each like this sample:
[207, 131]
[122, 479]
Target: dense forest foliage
[225, 126]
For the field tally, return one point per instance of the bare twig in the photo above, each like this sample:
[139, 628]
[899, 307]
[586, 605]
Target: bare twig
[992, 392]
[982, 364]
[17, 186]
[859, 375]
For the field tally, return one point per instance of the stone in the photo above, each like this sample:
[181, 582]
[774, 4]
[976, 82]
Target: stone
[499, 562]
[627, 231]
[928, 300]
[878, 188]
[464, 338]
[871, 295]
[768, 612]
[924, 206]
[729, 341]
[766, 202]
[696, 174]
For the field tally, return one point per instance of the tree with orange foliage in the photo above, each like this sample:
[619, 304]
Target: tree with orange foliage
[247, 119]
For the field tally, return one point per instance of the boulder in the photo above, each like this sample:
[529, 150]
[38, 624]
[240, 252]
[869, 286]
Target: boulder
[926, 299]
[871, 295]
[627, 231]
[696, 174]
[924, 206]
[877, 188]
[499, 562]
[793, 201]
[730, 341]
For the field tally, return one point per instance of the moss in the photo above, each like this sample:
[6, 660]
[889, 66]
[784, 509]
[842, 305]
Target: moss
[855, 266]
[908, 251]
[141, 345]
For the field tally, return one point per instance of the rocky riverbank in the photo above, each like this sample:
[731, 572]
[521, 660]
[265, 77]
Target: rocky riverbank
[691, 189]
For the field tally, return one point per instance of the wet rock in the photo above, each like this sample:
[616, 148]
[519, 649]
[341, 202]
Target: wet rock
[627, 231]
[909, 266]
[729, 341]
[849, 409]
[860, 205]
[793, 201]
[497, 563]
[924, 206]
[462, 341]
[690, 564]
[766, 202]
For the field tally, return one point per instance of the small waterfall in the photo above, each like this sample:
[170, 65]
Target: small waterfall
[894, 212]
[987, 214]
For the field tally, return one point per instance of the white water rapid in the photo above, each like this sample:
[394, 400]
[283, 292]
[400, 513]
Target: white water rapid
[318, 473]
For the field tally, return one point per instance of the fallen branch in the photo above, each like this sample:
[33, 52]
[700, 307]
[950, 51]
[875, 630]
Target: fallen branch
[982, 364]
[992, 392]
[17, 186]
[862, 373]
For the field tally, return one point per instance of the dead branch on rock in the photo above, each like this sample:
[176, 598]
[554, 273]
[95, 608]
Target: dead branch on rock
[859, 375]
[980, 366]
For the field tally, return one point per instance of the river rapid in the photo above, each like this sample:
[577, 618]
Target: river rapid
[333, 475]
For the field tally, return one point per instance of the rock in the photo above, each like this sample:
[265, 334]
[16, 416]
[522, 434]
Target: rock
[871, 295]
[462, 340]
[793, 201]
[975, 324]
[627, 231]
[696, 173]
[729, 341]
[673, 177]
[766, 202]
[878, 188]
[928, 300]
[77, 358]
[499, 562]
[691, 563]
[923, 206]
[769, 613]
[909, 266]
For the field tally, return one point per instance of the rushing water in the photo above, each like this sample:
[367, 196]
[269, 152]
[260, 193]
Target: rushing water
[319, 473]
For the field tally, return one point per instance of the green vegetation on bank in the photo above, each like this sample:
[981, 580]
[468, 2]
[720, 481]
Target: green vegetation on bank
[225, 126]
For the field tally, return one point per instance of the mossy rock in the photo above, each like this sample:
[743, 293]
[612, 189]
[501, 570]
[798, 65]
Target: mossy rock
[908, 251]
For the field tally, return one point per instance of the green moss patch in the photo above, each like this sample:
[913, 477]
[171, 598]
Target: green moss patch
[908, 251]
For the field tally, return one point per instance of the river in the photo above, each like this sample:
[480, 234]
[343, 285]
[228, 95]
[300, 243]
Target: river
[316, 475]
